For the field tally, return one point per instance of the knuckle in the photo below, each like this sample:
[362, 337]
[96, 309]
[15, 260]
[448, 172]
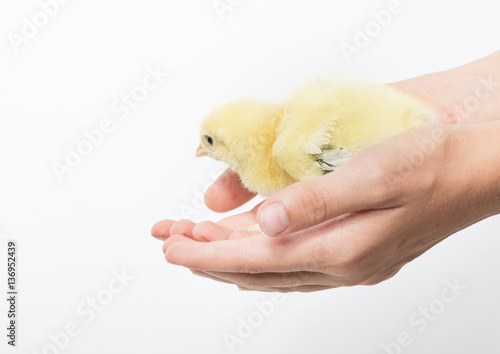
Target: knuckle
[179, 227]
[314, 204]
[202, 225]
[389, 190]
[162, 228]
[385, 185]
[200, 230]
[171, 240]
[373, 164]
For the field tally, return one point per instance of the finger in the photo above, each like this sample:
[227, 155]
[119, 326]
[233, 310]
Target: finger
[208, 276]
[254, 254]
[161, 229]
[227, 193]
[283, 289]
[241, 221]
[176, 239]
[183, 227]
[301, 289]
[208, 231]
[237, 235]
[353, 187]
[277, 280]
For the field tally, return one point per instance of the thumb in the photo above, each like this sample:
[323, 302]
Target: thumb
[313, 201]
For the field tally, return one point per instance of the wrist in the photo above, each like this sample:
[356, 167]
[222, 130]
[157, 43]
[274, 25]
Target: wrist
[466, 94]
[477, 148]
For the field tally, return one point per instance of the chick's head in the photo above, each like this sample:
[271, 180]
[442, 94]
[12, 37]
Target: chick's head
[239, 132]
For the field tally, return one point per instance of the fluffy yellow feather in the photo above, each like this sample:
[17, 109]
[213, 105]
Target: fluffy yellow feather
[315, 132]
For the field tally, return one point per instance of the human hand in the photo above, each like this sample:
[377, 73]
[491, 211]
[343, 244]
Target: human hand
[358, 225]
[362, 223]
[467, 94]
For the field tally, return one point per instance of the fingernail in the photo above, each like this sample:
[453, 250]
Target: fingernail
[273, 219]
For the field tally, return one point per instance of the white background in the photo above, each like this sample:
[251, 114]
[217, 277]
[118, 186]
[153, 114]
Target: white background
[74, 233]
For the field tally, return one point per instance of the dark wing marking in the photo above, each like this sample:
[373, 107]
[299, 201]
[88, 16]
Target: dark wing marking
[331, 157]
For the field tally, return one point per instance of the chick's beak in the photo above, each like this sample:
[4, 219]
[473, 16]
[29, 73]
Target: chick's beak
[200, 152]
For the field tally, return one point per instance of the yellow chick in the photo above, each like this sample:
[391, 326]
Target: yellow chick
[315, 132]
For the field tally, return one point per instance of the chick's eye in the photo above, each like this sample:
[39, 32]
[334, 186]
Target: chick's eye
[209, 140]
